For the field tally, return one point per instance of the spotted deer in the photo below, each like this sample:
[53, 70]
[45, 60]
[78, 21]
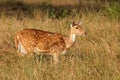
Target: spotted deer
[28, 41]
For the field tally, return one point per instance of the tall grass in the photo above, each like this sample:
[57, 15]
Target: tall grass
[94, 57]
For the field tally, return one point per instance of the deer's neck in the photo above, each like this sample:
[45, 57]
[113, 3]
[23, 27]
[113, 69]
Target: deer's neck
[70, 40]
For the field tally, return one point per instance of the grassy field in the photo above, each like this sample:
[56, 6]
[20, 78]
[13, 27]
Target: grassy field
[93, 57]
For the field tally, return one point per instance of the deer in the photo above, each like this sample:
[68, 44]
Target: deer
[29, 41]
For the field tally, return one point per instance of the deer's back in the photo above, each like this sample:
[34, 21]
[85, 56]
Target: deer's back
[41, 40]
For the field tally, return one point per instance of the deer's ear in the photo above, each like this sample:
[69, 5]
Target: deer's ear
[71, 24]
[80, 23]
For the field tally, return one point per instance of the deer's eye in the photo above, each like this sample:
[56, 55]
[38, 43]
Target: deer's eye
[76, 27]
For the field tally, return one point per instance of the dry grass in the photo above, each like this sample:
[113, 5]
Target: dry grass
[94, 57]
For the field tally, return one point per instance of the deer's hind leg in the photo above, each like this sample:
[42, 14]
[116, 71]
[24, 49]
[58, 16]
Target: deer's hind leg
[21, 49]
[56, 58]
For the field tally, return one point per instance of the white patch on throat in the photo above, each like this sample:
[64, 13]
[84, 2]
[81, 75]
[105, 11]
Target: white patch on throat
[72, 37]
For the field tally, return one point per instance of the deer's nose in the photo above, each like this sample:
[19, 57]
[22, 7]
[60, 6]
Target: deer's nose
[85, 33]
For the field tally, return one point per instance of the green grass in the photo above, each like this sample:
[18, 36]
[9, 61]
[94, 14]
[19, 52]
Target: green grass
[93, 57]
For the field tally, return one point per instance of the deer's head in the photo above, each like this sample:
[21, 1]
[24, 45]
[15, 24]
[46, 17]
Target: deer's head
[77, 29]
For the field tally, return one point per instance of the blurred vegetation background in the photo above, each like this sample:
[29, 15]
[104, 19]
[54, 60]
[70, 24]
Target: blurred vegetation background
[59, 9]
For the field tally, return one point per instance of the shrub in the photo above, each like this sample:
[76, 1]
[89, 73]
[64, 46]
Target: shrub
[113, 11]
